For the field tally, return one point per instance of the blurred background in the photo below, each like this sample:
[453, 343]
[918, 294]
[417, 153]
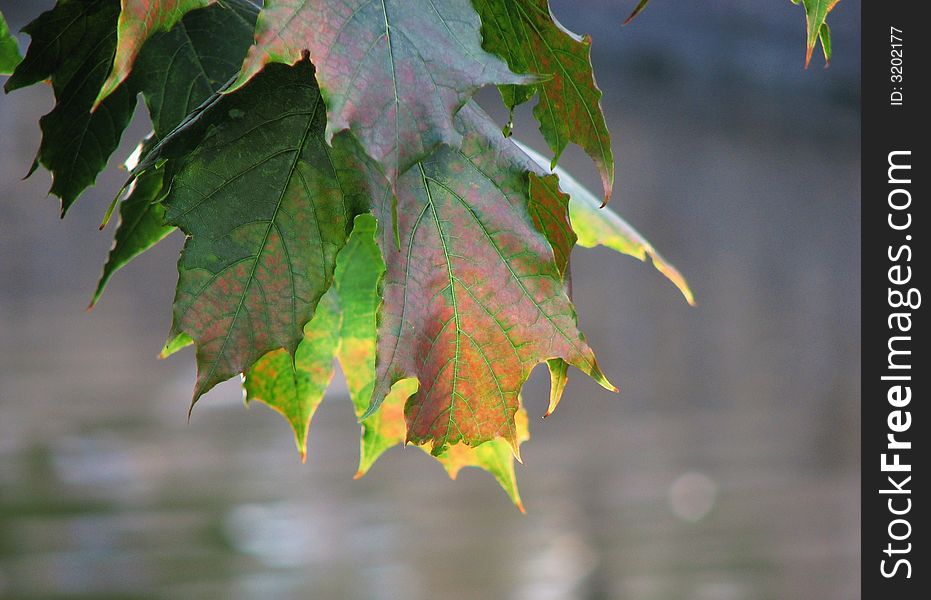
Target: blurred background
[727, 469]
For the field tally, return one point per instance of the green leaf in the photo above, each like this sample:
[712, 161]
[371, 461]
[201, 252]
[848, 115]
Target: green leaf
[138, 21]
[142, 225]
[474, 299]
[179, 69]
[596, 226]
[176, 72]
[266, 205]
[175, 344]
[549, 210]
[559, 376]
[825, 37]
[394, 72]
[531, 40]
[816, 13]
[9, 49]
[73, 44]
[359, 270]
[296, 387]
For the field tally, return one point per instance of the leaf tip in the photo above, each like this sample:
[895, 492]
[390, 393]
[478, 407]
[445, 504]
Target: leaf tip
[515, 448]
[637, 10]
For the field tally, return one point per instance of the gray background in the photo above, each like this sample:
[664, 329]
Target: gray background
[728, 469]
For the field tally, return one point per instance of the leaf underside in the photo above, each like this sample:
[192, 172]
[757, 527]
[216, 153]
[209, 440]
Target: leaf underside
[394, 72]
[474, 299]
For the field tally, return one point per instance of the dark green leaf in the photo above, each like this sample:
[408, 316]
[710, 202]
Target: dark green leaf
[529, 38]
[178, 70]
[73, 44]
[142, 225]
[139, 20]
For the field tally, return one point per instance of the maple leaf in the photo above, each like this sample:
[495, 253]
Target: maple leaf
[474, 299]
[394, 72]
[531, 40]
[73, 45]
[359, 271]
[816, 13]
[139, 20]
[9, 49]
[266, 205]
[176, 72]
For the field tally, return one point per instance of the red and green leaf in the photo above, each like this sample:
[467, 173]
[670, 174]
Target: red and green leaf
[816, 14]
[474, 299]
[343, 327]
[394, 72]
[266, 205]
[531, 40]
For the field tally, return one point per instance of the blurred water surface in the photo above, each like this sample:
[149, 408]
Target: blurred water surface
[727, 469]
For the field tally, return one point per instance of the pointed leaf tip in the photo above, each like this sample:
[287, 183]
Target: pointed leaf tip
[596, 226]
[637, 10]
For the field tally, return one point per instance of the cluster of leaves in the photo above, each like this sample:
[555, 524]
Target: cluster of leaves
[343, 198]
